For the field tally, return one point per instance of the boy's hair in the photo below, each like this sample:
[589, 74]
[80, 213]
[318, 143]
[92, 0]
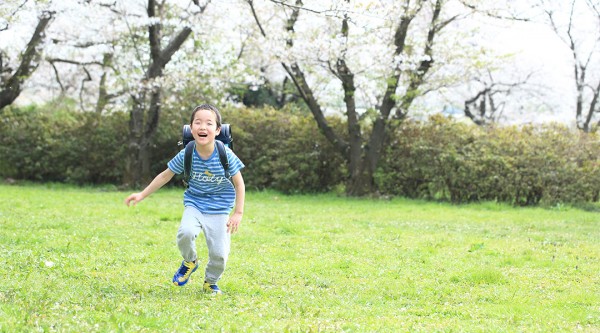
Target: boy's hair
[208, 107]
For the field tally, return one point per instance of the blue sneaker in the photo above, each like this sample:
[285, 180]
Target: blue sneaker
[212, 288]
[182, 276]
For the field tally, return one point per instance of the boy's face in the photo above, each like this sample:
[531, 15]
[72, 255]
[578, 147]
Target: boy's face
[204, 127]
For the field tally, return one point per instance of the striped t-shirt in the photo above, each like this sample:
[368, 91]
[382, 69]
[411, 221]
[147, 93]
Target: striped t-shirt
[209, 191]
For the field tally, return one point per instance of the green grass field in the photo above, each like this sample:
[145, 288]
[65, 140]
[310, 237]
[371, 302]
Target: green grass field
[79, 260]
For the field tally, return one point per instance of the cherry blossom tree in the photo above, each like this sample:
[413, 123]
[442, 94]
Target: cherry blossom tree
[488, 103]
[570, 20]
[14, 70]
[375, 63]
[129, 54]
[136, 39]
[171, 27]
[367, 60]
[146, 99]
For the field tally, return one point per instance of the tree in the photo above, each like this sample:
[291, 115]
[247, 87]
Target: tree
[79, 43]
[137, 57]
[398, 67]
[11, 81]
[487, 104]
[146, 100]
[566, 19]
[94, 50]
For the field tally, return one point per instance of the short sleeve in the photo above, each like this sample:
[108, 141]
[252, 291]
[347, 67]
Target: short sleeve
[176, 163]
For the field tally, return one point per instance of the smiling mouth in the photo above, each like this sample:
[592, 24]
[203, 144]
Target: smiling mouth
[203, 135]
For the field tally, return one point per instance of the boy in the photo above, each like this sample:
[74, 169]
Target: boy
[208, 200]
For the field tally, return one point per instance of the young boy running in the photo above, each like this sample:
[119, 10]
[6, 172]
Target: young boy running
[208, 201]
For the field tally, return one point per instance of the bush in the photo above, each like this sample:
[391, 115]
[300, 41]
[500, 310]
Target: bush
[284, 150]
[443, 159]
[43, 144]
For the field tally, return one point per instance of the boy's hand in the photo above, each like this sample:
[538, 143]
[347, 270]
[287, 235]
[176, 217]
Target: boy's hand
[135, 197]
[234, 222]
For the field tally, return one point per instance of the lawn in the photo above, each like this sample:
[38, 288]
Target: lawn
[78, 260]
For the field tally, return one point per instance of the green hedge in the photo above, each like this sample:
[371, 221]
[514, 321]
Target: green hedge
[282, 150]
[60, 146]
[443, 159]
[439, 159]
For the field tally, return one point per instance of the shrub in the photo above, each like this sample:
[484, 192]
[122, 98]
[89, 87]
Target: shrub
[284, 150]
[443, 159]
[44, 144]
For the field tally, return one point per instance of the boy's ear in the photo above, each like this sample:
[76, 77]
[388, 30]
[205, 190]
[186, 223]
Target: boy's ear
[218, 131]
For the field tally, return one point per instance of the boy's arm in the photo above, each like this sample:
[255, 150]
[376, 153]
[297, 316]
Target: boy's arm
[240, 196]
[156, 183]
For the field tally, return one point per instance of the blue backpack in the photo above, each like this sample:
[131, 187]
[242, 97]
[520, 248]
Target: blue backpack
[223, 139]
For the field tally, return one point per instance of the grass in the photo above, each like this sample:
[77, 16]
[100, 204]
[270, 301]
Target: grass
[78, 260]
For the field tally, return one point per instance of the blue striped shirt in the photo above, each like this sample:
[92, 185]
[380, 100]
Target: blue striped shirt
[209, 191]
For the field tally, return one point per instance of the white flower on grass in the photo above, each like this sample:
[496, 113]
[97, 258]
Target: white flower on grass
[49, 263]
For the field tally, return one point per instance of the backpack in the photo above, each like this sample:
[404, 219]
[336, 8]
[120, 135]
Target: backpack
[222, 140]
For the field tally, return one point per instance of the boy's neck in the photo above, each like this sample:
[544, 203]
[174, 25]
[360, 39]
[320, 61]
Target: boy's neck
[205, 151]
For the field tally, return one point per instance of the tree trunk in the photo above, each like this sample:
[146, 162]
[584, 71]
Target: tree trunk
[103, 96]
[144, 116]
[361, 182]
[143, 123]
[362, 156]
[11, 89]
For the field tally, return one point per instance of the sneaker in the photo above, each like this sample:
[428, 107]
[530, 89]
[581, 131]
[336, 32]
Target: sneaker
[182, 275]
[212, 288]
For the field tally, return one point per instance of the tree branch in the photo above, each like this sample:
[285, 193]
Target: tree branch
[594, 7]
[298, 7]
[388, 102]
[74, 62]
[12, 88]
[297, 75]
[260, 27]
[159, 62]
[592, 108]
[87, 78]
[62, 88]
[13, 14]
[153, 31]
[491, 14]
[416, 79]
[486, 95]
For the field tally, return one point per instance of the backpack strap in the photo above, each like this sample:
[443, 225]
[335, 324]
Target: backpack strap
[223, 157]
[187, 160]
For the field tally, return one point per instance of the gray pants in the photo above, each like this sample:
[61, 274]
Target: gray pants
[218, 240]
